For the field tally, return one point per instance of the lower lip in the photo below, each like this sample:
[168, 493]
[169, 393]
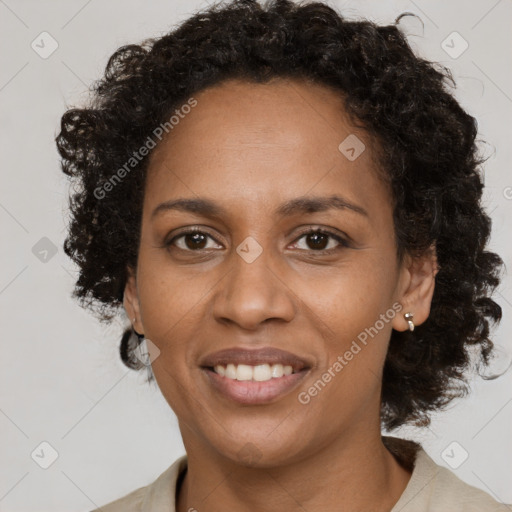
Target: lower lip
[251, 392]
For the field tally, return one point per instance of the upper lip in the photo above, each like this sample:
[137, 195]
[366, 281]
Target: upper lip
[253, 357]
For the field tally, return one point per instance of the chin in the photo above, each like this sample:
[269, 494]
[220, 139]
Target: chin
[257, 449]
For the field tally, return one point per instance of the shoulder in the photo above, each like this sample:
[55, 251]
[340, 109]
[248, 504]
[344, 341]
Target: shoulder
[130, 503]
[159, 495]
[452, 493]
[433, 488]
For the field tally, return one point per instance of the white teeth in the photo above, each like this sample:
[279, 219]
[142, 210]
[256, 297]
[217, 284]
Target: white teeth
[244, 372]
[262, 373]
[220, 370]
[231, 371]
[258, 373]
[277, 370]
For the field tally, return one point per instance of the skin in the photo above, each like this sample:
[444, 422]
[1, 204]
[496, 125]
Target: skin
[250, 148]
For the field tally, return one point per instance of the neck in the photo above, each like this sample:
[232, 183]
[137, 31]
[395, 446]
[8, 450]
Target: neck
[353, 474]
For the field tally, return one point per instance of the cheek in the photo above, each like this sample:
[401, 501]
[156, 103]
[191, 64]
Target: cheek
[172, 312]
[353, 308]
[349, 297]
[170, 299]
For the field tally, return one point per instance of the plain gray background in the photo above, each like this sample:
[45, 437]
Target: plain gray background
[62, 381]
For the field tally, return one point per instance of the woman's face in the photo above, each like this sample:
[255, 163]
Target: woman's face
[260, 167]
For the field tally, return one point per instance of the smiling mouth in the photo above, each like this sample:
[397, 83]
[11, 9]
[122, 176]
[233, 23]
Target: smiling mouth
[243, 387]
[257, 373]
[254, 376]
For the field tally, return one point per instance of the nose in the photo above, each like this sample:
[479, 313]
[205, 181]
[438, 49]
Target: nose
[253, 293]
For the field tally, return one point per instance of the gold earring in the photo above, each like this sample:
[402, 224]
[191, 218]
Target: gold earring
[409, 317]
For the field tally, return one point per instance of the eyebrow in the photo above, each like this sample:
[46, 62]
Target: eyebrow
[318, 204]
[209, 208]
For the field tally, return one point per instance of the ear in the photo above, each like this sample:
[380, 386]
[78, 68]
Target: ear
[131, 301]
[416, 288]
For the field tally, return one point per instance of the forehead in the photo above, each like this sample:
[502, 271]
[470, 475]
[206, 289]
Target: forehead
[263, 142]
[283, 114]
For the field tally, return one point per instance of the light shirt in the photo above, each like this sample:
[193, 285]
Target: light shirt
[431, 488]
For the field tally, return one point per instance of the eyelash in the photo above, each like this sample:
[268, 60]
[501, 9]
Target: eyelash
[343, 242]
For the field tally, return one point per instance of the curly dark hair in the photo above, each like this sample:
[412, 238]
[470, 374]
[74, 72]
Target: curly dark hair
[427, 151]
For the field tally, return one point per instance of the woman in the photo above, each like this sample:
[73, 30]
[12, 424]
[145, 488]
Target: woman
[287, 206]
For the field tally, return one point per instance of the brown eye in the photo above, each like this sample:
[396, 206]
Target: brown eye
[193, 240]
[319, 240]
